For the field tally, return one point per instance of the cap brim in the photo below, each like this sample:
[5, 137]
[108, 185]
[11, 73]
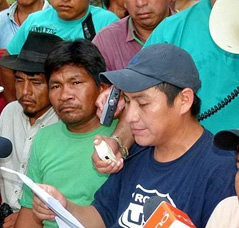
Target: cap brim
[227, 140]
[128, 80]
[224, 25]
[14, 63]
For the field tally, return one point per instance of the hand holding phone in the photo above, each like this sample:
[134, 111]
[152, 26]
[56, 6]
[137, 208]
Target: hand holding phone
[110, 107]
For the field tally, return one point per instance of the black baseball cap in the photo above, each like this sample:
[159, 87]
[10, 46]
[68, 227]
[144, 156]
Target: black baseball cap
[227, 140]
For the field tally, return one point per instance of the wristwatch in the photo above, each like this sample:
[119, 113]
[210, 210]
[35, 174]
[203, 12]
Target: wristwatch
[123, 149]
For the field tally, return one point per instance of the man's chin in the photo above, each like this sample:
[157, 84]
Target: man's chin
[141, 141]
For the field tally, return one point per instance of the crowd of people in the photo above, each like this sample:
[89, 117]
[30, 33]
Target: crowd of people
[176, 114]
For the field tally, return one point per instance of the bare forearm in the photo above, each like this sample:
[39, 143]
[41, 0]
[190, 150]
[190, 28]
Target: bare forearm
[88, 215]
[27, 219]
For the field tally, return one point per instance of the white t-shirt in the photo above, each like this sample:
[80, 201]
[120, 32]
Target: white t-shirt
[226, 214]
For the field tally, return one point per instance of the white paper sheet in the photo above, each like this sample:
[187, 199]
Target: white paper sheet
[64, 218]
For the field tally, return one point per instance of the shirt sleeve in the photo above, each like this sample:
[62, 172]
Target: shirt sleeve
[106, 199]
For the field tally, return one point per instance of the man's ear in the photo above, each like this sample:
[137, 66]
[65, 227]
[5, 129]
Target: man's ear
[186, 97]
[103, 86]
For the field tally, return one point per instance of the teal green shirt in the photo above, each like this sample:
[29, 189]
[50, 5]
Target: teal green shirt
[47, 21]
[219, 70]
[63, 159]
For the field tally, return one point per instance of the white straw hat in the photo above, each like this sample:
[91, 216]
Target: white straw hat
[224, 25]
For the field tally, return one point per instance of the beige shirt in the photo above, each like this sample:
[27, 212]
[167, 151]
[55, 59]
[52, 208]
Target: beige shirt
[226, 214]
[15, 126]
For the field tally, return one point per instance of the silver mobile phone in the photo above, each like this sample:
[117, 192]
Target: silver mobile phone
[110, 107]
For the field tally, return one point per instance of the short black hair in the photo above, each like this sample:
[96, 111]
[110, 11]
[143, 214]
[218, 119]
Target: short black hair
[80, 52]
[172, 92]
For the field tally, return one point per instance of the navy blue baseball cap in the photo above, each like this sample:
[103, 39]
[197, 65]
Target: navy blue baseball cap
[153, 65]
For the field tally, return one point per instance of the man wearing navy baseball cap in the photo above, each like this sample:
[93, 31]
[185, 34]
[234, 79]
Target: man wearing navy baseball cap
[226, 214]
[174, 156]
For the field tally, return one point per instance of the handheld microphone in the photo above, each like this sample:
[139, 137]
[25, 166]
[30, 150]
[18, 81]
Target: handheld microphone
[5, 147]
[161, 214]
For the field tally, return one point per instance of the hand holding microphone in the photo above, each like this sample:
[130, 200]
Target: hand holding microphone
[161, 214]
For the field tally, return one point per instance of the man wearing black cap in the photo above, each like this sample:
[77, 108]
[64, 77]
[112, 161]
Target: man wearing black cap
[226, 214]
[174, 157]
[21, 119]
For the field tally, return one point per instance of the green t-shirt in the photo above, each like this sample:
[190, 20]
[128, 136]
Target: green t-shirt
[47, 21]
[218, 69]
[63, 159]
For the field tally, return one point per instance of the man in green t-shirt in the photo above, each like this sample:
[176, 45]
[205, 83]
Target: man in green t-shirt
[61, 153]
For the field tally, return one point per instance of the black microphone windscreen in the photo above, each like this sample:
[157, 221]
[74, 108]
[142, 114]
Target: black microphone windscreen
[5, 147]
[151, 204]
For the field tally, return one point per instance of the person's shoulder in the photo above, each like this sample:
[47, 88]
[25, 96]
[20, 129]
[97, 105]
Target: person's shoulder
[13, 106]
[113, 29]
[5, 18]
[118, 25]
[12, 110]
[213, 151]
[4, 14]
[186, 13]
[174, 20]
[223, 156]
[53, 126]
[50, 130]
[221, 161]
[211, 159]
[180, 18]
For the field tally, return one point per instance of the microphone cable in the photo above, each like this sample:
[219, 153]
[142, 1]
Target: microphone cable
[220, 105]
